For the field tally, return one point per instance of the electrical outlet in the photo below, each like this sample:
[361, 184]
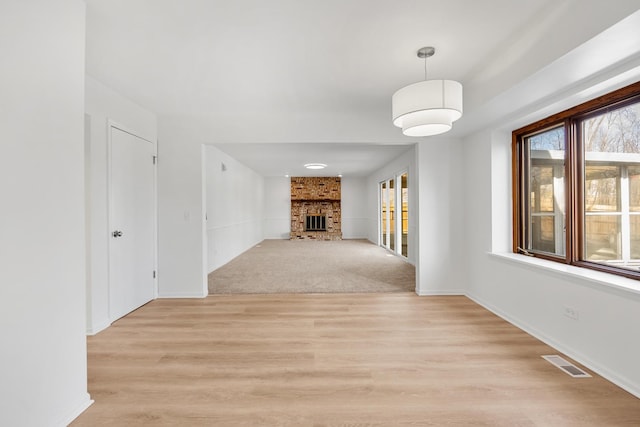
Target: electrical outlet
[571, 312]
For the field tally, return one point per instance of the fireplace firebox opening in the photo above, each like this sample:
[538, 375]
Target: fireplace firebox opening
[315, 223]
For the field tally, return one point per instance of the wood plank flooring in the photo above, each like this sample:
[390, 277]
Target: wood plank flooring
[335, 360]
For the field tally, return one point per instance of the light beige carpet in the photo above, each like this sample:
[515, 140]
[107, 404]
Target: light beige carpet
[295, 266]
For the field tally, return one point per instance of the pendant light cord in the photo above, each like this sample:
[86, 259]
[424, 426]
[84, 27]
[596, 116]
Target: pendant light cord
[425, 68]
[424, 53]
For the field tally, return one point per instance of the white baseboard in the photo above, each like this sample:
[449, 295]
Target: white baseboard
[452, 292]
[98, 327]
[82, 406]
[572, 353]
[181, 295]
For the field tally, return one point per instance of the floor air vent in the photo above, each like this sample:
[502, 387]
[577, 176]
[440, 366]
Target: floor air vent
[567, 367]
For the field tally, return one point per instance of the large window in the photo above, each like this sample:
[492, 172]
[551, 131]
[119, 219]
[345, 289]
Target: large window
[577, 185]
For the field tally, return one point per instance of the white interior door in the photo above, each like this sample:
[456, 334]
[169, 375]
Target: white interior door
[132, 223]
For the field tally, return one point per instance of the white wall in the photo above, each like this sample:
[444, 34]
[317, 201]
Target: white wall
[101, 105]
[235, 204]
[182, 265]
[277, 207]
[43, 363]
[356, 215]
[440, 215]
[533, 294]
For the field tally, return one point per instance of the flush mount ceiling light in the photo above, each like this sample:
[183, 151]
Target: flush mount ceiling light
[315, 166]
[429, 107]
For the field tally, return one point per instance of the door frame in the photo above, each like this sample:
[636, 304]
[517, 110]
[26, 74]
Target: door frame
[111, 124]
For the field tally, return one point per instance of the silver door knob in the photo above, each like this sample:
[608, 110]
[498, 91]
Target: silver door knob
[117, 233]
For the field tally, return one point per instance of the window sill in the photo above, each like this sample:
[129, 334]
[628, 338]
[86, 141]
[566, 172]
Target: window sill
[591, 276]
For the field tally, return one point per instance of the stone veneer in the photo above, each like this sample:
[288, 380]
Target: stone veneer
[314, 196]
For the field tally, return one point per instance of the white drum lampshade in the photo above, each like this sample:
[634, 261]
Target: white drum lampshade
[427, 108]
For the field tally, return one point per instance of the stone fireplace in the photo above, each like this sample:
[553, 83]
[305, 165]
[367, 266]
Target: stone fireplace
[315, 208]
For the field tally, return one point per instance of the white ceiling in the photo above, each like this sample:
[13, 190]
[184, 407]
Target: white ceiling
[346, 159]
[305, 76]
[227, 56]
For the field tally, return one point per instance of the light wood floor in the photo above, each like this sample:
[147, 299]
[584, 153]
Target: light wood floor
[335, 360]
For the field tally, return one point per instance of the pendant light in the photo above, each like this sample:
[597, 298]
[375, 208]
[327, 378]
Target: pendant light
[428, 107]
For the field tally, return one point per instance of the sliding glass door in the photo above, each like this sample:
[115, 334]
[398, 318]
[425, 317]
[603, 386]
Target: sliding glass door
[392, 223]
[394, 195]
[404, 203]
[384, 205]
